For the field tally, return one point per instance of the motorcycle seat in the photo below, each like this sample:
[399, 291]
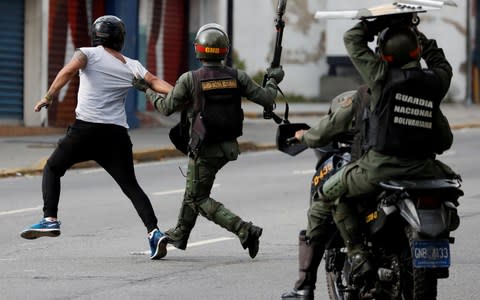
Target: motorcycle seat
[420, 184]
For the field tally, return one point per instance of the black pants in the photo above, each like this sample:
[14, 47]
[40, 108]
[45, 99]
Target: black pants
[110, 146]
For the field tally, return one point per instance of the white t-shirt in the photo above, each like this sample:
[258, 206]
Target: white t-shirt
[104, 84]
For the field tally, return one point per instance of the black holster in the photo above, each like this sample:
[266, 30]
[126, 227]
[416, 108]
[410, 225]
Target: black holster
[197, 136]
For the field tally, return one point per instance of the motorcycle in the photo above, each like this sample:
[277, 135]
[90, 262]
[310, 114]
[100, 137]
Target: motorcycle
[407, 233]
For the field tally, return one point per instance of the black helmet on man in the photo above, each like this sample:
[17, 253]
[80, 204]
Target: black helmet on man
[211, 42]
[108, 31]
[399, 45]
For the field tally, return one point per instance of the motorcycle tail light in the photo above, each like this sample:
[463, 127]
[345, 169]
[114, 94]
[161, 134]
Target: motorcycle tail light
[428, 202]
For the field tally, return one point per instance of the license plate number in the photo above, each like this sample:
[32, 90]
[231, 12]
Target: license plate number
[431, 254]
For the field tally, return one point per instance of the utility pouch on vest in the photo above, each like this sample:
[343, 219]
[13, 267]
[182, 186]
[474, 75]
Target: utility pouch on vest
[179, 134]
[197, 136]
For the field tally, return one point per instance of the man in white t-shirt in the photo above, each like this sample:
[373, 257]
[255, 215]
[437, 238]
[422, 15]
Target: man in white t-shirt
[100, 130]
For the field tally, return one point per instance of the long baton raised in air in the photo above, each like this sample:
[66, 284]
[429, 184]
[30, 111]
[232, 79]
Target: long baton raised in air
[277, 54]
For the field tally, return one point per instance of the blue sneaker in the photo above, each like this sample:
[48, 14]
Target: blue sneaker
[158, 244]
[42, 228]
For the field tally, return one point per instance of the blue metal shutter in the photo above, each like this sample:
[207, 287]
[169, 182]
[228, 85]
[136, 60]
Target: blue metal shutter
[11, 59]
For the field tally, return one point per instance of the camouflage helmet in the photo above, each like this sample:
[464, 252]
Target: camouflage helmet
[211, 42]
[108, 31]
[399, 45]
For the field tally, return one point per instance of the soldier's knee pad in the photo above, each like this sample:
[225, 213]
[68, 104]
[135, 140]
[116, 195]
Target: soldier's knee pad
[334, 187]
[208, 207]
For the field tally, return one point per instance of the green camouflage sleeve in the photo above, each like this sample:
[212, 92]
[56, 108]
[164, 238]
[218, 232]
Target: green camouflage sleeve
[370, 67]
[436, 61]
[255, 93]
[177, 99]
[333, 124]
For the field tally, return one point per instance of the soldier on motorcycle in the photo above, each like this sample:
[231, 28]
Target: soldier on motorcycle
[406, 127]
[345, 116]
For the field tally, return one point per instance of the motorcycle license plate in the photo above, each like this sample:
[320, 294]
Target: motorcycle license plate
[431, 254]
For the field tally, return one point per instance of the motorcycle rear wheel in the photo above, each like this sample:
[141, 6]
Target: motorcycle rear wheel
[417, 283]
[333, 292]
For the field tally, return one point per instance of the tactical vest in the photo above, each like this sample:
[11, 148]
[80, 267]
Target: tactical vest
[402, 123]
[217, 97]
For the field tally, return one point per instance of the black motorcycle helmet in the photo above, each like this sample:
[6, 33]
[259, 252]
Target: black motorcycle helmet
[108, 31]
[398, 45]
[211, 43]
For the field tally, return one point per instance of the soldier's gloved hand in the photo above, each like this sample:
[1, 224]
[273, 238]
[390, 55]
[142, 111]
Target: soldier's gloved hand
[140, 84]
[421, 36]
[276, 73]
[160, 97]
[268, 111]
[375, 26]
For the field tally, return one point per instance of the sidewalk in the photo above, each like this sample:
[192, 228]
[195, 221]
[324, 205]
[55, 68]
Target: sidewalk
[27, 154]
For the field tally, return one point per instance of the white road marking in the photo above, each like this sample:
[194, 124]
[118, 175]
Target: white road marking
[171, 161]
[179, 191]
[199, 243]
[449, 152]
[19, 211]
[92, 170]
[303, 172]
[23, 210]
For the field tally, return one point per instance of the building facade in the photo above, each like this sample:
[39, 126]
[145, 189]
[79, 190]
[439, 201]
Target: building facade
[39, 37]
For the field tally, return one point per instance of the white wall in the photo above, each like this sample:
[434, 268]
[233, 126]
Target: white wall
[303, 55]
[304, 51]
[35, 52]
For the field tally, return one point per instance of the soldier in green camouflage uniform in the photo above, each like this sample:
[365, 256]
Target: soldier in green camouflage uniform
[399, 50]
[211, 47]
[344, 116]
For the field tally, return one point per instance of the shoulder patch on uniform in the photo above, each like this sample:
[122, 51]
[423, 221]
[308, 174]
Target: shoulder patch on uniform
[346, 102]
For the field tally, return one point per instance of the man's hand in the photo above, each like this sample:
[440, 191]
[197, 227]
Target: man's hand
[276, 73]
[299, 134]
[45, 102]
[297, 138]
[140, 84]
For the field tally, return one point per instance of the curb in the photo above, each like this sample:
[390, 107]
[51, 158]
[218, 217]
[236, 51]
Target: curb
[156, 154]
[465, 125]
[139, 156]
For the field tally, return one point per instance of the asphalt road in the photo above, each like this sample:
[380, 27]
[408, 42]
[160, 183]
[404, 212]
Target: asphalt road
[102, 252]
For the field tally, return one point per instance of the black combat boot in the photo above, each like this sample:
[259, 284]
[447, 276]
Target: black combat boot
[362, 268]
[178, 235]
[350, 229]
[248, 233]
[253, 240]
[309, 258]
